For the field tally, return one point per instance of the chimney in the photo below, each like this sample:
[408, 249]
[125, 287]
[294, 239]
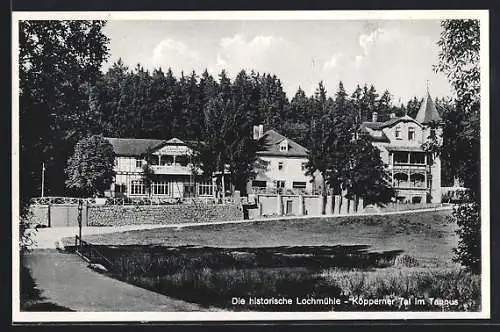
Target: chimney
[258, 132]
[374, 116]
[392, 115]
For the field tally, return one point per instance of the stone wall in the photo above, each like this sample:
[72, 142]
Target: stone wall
[119, 215]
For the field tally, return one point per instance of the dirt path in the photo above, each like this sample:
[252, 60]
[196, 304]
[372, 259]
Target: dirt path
[65, 279]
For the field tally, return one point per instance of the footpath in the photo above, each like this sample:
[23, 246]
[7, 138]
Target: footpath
[65, 279]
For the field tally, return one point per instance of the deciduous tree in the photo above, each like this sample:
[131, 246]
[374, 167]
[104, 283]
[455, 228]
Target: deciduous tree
[90, 169]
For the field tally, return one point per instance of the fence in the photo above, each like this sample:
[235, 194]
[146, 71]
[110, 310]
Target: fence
[56, 215]
[131, 200]
[91, 254]
[299, 205]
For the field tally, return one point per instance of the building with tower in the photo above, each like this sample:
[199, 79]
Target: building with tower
[415, 174]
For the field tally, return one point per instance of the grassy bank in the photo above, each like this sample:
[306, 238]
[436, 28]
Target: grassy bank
[215, 277]
[427, 236]
[402, 261]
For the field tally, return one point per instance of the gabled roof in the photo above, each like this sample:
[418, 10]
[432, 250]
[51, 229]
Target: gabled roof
[428, 112]
[133, 146]
[374, 131]
[272, 140]
[174, 140]
[393, 121]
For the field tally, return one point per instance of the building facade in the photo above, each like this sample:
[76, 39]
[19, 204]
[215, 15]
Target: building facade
[282, 160]
[170, 162]
[415, 174]
[283, 165]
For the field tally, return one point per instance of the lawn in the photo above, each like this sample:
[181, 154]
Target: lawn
[427, 236]
[386, 258]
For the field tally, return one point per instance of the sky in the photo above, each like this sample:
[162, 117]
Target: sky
[397, 55]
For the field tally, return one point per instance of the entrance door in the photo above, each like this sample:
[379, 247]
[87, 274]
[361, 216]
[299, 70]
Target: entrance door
[288, 207]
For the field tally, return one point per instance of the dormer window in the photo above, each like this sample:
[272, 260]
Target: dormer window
[284, 146]
[397, 132]
[411, 134]
[138, 163]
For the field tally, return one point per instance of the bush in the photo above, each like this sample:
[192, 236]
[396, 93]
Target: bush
[468, 252]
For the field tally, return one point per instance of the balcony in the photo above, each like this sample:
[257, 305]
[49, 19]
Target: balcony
[409, 167]
[172, 169]
[410, 185]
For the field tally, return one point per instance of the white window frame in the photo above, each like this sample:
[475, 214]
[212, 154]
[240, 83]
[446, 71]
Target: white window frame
[160, 185]
[137, 160]
[136, 184]
[284, 146]
[412, 131]
[397, 132]
[280, 184]
[205, 188]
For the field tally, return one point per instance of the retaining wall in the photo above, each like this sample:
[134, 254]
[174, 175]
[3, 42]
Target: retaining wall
[163, 214]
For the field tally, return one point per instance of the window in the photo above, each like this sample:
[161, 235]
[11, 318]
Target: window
[160, 188]
[120, 188]
[411, 134]
[205, 189]
[137, 188]
[416, 200]
[400, 157]
[298, 185]
[417, 158]
[280, 165]
[397, 132]
[115, 162]
[303, 166]
[280, 184]
[284, 146]
[138, 163]
[259, 184]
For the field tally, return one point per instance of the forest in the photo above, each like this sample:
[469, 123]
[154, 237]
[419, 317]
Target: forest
[65, 96]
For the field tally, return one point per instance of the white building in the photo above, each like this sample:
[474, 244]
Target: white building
[286, 165]
[415, 173]
[170, 161]
[173, 176]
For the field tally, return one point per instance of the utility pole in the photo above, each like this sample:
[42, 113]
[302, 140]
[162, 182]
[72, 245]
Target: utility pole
[80, 208]
[43, 179]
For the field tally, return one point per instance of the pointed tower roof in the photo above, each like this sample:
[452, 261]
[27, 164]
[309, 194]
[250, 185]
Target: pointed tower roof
[427, 112]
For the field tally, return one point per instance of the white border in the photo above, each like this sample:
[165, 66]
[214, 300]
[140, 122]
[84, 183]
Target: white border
[482, 15]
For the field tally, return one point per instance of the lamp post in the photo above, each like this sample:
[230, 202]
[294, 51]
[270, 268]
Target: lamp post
[43, 179]
[80, 208]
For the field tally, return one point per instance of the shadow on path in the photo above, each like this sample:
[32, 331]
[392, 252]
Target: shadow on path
[65, 281]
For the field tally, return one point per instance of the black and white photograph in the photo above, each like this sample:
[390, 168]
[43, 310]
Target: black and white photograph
[293, 165]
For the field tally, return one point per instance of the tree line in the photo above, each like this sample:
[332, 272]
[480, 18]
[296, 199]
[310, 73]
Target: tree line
[65, 97]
